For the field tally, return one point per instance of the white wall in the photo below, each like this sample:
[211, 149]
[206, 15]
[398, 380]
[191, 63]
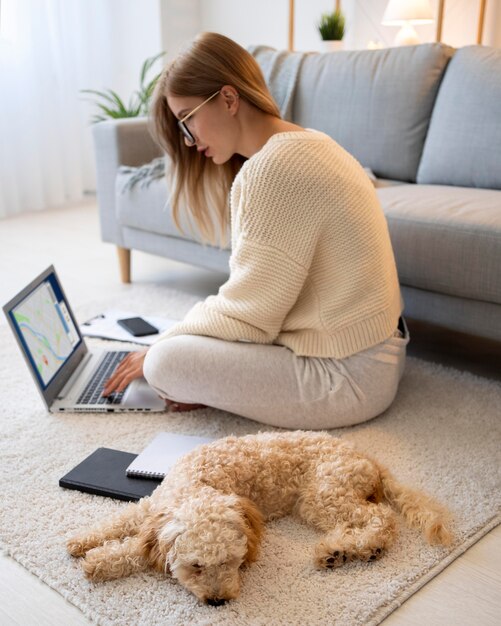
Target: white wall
[49, 52]
[180, 21]
[248, 22]
[117, 48]
[266, 22]
[115, 38]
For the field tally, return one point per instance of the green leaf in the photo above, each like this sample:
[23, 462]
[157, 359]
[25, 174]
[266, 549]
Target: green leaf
[116, 99]
[135, 106]
[110, 112]
[147, 66]
[113, 99]
[151, 85]
[112, 106]
[332, 26]
[145, 94]
[133, 102]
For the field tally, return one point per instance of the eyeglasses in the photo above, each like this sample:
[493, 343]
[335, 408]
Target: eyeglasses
[188, 137]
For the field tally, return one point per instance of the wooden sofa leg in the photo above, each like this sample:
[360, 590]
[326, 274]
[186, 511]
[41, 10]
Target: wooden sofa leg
[124, 262]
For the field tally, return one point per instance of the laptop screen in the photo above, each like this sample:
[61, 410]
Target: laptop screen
[45, 328]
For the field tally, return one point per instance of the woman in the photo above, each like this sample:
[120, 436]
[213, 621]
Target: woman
[305, 332]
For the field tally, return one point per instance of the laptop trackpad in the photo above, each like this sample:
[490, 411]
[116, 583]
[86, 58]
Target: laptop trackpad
[142, 395]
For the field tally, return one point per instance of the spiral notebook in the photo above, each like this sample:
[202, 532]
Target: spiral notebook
[161, 454]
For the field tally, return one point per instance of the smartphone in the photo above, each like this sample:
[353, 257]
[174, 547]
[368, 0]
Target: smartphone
[137, 327]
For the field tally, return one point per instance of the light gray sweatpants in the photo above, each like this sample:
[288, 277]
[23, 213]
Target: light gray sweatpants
[272, 385]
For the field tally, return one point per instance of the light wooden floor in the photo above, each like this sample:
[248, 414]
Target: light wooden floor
[467, 593]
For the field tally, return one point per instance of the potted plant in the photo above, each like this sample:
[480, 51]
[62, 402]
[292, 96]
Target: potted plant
[112, 106]
[332, 28]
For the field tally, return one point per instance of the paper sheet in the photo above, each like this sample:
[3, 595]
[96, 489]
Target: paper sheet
[105, 326]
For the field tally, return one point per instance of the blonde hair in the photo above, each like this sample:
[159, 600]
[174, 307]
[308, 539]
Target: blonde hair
[211, 61]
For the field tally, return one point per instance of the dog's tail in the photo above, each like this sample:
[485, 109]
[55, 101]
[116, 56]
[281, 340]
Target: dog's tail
[419, 510]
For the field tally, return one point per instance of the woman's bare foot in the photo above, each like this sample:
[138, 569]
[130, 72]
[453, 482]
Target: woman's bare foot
[174, 407]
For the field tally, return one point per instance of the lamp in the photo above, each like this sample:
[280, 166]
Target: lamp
[405, 13]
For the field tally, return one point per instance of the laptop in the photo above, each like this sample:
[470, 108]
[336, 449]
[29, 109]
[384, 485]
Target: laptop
[68, 375]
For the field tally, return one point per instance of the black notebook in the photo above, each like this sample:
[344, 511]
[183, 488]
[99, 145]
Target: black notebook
[103, 473]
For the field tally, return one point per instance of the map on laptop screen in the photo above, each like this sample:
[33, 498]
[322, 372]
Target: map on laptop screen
[45, 325]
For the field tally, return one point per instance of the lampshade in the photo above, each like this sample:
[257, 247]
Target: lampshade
[402, 11]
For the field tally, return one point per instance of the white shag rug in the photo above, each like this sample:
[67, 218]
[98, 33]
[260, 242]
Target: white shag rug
[442, 434]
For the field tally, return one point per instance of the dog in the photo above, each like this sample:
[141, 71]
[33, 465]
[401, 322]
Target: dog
[206, 519]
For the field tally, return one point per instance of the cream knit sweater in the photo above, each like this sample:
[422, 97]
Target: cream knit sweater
[312, 267]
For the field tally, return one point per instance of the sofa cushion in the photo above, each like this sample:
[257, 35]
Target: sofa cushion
[446, 239]
[463, 146]
[375, 103]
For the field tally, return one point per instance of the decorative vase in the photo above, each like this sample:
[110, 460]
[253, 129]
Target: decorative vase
[332, 45]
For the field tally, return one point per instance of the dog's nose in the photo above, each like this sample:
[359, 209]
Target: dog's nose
[216, 601]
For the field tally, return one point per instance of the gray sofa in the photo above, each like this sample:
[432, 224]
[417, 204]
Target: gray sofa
[425, 119]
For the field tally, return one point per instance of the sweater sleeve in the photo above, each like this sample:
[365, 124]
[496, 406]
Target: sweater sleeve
[264, 284]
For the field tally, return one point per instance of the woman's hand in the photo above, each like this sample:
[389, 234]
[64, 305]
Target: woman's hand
[128, 370]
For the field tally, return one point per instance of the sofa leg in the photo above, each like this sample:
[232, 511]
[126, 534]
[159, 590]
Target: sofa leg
[124, 262]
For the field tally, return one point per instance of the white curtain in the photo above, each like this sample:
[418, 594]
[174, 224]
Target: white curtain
[49, 51]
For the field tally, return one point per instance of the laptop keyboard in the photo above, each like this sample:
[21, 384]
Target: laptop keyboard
[92, 392]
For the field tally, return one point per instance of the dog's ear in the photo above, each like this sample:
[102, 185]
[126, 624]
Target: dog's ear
[156, 536]
[252, 525]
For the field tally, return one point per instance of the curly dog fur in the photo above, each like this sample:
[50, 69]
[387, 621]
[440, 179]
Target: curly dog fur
[206, 519]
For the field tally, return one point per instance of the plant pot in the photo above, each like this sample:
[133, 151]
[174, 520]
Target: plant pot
[332, 45]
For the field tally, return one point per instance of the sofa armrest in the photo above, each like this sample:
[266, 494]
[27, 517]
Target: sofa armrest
[118, 142]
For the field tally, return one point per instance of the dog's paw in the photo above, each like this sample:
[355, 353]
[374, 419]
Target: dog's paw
[337, 558]
[76, 547]
[94, 566]
[371, 555]
[333, 557]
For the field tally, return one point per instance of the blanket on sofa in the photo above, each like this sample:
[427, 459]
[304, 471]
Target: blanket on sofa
[280, 69]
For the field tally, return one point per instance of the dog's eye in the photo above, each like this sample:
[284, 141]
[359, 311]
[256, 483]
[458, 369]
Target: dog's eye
[197, 566]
